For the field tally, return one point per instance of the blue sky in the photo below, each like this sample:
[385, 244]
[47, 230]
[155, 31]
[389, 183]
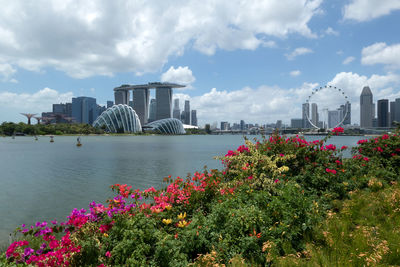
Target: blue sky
[251, 60]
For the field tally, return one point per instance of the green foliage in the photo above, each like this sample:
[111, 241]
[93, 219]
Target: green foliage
[277, 202]
[10, 128]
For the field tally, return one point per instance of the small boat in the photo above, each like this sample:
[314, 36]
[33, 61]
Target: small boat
[51, 139]
[36, 138]
[78, 140]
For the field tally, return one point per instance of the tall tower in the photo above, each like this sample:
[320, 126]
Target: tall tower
[315, 117]
[163, 103]
[121, 97]
[176, 114]
[194, 117]
[305, 115]
[383, 113]
[141, 98]
[187, 112]
[397, 110]
[367, 110]
[392, 113]
[153, 110]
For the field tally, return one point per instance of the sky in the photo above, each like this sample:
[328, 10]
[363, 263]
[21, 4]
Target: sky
[256, 61]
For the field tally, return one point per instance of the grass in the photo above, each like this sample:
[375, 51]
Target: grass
[361, 231]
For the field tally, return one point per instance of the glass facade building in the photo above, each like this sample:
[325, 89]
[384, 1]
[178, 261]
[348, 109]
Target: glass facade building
[119, 118]
[84, 109]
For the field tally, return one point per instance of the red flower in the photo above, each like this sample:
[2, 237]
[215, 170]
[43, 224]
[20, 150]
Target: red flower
[338, 130]
[108, 254]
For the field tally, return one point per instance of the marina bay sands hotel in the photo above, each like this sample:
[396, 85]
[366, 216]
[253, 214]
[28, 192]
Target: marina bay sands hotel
[141, 98]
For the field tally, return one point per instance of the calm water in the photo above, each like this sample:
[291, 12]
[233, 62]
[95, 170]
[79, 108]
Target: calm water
[40, 180]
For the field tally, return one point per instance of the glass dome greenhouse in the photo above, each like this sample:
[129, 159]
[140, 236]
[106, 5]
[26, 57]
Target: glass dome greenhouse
[119, 118]
[167, 126]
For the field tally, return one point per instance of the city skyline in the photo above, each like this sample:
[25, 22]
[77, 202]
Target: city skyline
[238, 61]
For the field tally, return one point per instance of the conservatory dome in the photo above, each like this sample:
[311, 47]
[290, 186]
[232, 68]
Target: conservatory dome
[167, 126]
[119, 118]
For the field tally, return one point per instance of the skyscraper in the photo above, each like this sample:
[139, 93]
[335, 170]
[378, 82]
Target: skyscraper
[153, 110]
[333, 118]
[367, 108]
[121, 97]
[397, 110]
[305, 115]
[242, 125]
[187, 112]
[347, 113]
[315, 117]
[383, 113]
[110, 104]
[84, 109]
[141, 97]
[163, 103]
[194, 117]
[176, 113]
[392, 113]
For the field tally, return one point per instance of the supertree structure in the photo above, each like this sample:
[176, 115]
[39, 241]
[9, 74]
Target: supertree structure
[29, 116]
[38, 119]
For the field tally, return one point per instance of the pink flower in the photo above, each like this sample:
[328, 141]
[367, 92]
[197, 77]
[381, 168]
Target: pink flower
[366, 159]
[379, 149]
[338, 130]
[151, 189]
[344, 147]
[108, 254]
[330, 147]
[276, 181]
[250, 177]
[330, 171]
[282, 155]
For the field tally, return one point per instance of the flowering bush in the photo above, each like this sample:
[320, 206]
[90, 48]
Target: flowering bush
[268, 197]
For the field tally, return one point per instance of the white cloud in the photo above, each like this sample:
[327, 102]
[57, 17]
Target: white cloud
[12, 104]
[348, 60]
[6, 72]
[295, 73]
[180, 75]
[364, 10]
[298, 52]
[330, 31]
[380, 53]
[103, 37]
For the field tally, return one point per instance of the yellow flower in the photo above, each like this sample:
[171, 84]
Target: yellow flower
[182, 216]
[169, 207]
[182, 223]
[105, 234]
[167, 221]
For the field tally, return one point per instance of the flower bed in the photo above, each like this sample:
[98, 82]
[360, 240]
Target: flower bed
[263, 204]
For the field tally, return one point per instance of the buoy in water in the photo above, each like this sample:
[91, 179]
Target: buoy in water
[51, 139]
[78, 140]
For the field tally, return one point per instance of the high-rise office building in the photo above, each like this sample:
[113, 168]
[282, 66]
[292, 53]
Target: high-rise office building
[153, 110]
[110, 104]
[314, 114]
[334, 117]
[242, 125]
[59, 109]
[347, 113]
[194, 117]
[176, 113]
[84, 109]
[224, 126]
[397, 110]
[163, 103]
[367, 108]
[296, 123]
[183, 116]
[305, 115]
[392, 113]
[187, 112]
[383, 113]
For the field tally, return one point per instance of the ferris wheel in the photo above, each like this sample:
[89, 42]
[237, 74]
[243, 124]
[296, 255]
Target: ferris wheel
[329, 91]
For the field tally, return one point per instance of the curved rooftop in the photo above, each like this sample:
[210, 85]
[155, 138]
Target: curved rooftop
[167, 126]
[119, 118]
[127, 87]
[366, 91]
